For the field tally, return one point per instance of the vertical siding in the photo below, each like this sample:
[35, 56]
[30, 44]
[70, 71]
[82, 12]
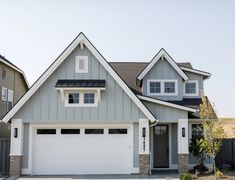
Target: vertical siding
[4, 155]
[165, 113]
[25, 146]
[174, 143]
[46, 104]
[136, 145]
[163, 70]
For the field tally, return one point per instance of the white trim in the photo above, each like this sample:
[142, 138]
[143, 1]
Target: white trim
[79, 88]
[77, 61]
[196, 71]
[162, 87]
[13, 67]
[197, 88]
[60, 59]
[183, 141]
[25, 171]
[162, 53]
[166, 103]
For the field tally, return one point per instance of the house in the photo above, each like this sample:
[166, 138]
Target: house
[85, 115]
[13, 85]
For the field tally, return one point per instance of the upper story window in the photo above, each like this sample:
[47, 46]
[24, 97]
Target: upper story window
[191, 88]
[81, 64]
[9, 99]
[162, 87]
[4, 73]
[4, 94]
[89, 98]
[73, 98]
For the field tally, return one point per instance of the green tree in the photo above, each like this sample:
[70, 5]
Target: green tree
[195, 149]
[213, 131]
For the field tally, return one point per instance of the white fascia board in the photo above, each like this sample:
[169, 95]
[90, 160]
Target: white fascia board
[167, 103]
[80, 38]
[161, 53]
[18, 70]
[196, 71]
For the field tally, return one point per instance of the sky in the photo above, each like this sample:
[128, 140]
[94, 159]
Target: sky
[34, 33]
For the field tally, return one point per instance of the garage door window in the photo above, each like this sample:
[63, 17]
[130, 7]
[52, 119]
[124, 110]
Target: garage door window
[46, 131]
[94, 131]
[70, 131]
[117, 131]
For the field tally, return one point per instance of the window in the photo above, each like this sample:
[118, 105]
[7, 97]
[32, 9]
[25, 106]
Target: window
[117, 131]
[162, 87]
[4, 94]
[89, 98]
[4, 73]
[191, 88]
[94, 131]
[161, 130]
[155, 87]
[169, 87]
[197, 130]
[81, 64]
[46, 131]
[73, 98]
[70, 131]
[9, 99]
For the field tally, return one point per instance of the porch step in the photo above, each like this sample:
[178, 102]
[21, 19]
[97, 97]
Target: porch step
[167, 171]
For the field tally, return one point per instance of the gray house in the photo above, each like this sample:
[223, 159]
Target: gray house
[85, 115]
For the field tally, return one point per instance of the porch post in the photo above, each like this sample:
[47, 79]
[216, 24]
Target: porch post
[144, 156]
[183, 150]
[16, 147]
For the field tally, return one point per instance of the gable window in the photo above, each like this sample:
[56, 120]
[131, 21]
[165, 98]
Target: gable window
[191, 88]
[4, 94]
[73, 98]
[155, 87]
[89, 98]
[81, 64]
[197, 130]
[169, 87]
[162, 87]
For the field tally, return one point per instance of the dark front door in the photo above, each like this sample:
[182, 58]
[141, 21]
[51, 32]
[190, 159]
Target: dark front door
[161, 146]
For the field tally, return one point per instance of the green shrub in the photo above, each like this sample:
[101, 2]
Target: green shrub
[186, 176]
[218, 173]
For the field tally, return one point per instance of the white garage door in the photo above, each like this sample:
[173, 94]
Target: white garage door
[82, 151]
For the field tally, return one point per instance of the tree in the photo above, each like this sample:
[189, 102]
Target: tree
[214, 132]
[195, 149]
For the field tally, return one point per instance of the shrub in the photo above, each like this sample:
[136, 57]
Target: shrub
[218, 173]
[186, 176]
[226, 167]
[200, 168]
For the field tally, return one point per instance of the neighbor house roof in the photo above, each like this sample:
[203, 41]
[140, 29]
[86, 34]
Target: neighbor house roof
[11, 65]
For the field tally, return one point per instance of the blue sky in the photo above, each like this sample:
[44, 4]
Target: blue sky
[34, 33]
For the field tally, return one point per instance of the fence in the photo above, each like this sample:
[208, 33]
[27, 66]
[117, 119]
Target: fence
[4, 155]
[226, 154]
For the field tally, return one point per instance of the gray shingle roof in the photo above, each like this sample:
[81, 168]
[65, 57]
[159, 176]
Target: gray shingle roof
[3, 58]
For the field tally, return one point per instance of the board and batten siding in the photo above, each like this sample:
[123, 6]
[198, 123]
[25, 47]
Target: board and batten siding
[46, 105]
[165, 113]
[160, 71]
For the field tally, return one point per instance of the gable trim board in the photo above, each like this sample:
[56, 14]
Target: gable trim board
[167, 103]
[203, 73]
[81, 38]
[157, 57]
[17, 69]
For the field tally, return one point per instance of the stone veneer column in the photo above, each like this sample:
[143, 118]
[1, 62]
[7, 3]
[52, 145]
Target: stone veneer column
[15, 165]
[144, 163]
[183, 163]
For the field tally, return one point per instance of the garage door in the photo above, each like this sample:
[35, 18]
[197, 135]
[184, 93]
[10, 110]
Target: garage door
[82, 151]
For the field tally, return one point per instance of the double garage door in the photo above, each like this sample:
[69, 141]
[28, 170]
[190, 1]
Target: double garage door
[82, 151]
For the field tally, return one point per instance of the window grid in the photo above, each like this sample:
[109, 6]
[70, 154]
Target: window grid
[73, 98]
[169, 87]
[89, 98]
[190, 88]
[155, 87]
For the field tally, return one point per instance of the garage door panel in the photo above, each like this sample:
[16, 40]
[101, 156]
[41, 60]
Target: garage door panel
[82, 153]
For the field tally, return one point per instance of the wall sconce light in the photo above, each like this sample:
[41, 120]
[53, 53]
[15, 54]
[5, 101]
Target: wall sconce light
[183, 132]
[144, 132]
[15, 132]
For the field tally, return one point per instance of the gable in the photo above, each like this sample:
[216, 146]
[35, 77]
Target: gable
[46, 103]
[162, 54]
[60, 60]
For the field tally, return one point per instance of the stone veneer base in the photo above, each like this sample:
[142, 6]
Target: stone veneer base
[144, 163]
[183, 163]
[15, 165]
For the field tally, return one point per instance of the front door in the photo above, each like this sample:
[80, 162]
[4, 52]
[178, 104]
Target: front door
[161, 146]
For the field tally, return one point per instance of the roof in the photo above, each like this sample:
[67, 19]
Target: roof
[62, 83]
[162, 54]
[81, 38]
[11, 65]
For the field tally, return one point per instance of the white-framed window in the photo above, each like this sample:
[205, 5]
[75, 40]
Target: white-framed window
[164, 87]
[81, 99]
[4, 94]
[81, 64]
[9, 99]
[191, 88]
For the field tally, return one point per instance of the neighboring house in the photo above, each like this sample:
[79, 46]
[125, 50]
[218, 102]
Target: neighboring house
[85, 115]
[13, 86]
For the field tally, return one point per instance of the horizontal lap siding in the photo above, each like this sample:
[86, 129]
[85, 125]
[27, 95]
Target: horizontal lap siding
[46, 104]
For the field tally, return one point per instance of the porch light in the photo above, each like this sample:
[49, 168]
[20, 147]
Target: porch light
[183, 132]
